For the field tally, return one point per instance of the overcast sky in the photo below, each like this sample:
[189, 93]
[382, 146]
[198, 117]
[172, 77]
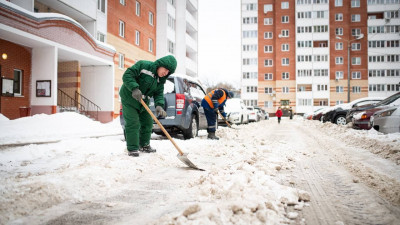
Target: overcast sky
[219, 41]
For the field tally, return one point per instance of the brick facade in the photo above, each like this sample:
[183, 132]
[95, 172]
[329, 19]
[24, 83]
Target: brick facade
[19, 57]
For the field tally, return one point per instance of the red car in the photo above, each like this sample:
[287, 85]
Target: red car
[362, 119]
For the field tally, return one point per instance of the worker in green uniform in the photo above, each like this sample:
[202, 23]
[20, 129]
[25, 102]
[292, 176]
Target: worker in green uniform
[143, 80]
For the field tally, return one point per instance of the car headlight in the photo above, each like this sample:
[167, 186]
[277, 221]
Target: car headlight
[386, 113]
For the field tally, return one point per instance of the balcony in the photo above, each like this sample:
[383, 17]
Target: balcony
[191, 21]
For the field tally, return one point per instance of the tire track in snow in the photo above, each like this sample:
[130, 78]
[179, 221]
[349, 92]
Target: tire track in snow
[336, 197]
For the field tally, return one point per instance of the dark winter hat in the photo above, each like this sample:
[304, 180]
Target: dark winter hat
[230, 94]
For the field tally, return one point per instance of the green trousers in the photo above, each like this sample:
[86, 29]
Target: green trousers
[138, 126]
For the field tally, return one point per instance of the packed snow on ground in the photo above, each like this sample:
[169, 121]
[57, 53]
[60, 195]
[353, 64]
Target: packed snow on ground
[241, 185]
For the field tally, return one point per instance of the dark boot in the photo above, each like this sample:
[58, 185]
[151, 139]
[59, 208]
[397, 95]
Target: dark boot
[212, 136]
[134, 153]
[147, 149]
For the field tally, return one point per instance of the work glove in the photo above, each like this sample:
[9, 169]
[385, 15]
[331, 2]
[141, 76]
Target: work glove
[137, 94]
[161, 112]
[215, 110]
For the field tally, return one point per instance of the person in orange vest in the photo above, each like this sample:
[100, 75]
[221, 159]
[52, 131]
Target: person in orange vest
[279, 114]
[215, 100]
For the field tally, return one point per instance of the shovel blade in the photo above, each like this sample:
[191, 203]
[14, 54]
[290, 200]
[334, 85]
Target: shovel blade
[185, 160]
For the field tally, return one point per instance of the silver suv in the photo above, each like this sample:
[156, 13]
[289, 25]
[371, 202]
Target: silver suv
[182, 96]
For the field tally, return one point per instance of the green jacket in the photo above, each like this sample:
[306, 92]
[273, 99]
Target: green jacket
[143, 75]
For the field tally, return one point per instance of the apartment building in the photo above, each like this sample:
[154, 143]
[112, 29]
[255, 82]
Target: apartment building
[50, 57]
[318, 53]
[177, 33]
[132, 31]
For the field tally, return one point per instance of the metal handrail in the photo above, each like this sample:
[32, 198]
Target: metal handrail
[64, 101]
[92, 108]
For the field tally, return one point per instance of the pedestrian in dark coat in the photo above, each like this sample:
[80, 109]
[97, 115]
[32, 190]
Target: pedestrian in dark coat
[212, 102]
[279, 114]
[143, 80]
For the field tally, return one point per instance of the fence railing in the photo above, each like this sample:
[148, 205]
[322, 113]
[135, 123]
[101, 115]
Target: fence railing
[67, 103]
[91, 109]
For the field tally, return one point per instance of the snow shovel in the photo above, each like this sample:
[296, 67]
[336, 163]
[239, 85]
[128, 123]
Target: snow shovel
[224, 119]
[181, 156]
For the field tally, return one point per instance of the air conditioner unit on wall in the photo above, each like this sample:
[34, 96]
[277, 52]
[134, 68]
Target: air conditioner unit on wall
[387, 20]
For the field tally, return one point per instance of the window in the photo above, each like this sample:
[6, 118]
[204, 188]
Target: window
[268, 76]
[251, 89]
[250, 7]
[172, 2]
[137, 8]
[151, 18]
[137, 37]
[17, 82]
[339, 45]
[267, 35]
[355, 32]
[285, 19]
[356, 75]
[322, 87]
[339, 31]
[376, 87]
[356, 61]
[268, 104]
[122, 2]
[101, 37]
[268, 90]
[268, 8]
[171, 47]
[339, 60]
[321, 72]
[323, 102]
[285, 89]
[121, 28]
[339, 75]
[285, 61]
[171, 22]
[338, 102]
[285, 33]
[305, 102]
[356, 89]
[285, 47]
[268, 62]
[268, 21]
[101, 5]
[250, 75]
[338, 3]
[285, 76]
[339, 16]
[355, 18]
[285, 5]
[355, 46]
[150, 45]
[339, 89]
[268, 48]
[121, 60]
[250, 61]
[355, 3]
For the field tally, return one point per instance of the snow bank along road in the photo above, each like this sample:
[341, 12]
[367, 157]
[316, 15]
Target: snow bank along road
[298, 172]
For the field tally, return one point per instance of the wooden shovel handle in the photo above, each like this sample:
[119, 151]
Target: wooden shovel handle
[161, 126]
[223, 119]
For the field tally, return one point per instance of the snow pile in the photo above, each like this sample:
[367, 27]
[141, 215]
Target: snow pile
[45, 181]
[3, 118]
[43, 128]
[385, 145]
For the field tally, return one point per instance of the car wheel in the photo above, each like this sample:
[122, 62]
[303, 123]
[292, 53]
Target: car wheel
[241, 120]
[340, 120]
[193, 129]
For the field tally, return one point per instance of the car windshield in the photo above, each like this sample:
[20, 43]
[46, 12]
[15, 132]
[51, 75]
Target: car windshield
[389, 100]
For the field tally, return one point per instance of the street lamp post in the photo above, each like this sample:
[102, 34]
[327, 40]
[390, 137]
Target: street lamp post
[348, 62]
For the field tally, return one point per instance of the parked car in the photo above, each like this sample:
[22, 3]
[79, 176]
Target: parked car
[182, 96]
[320, 114]
[309, 115]
[361, 120]
[236, 112]
[260, 113]
[338, 114]
[386, 120]
[253, 115]
[355, 110]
